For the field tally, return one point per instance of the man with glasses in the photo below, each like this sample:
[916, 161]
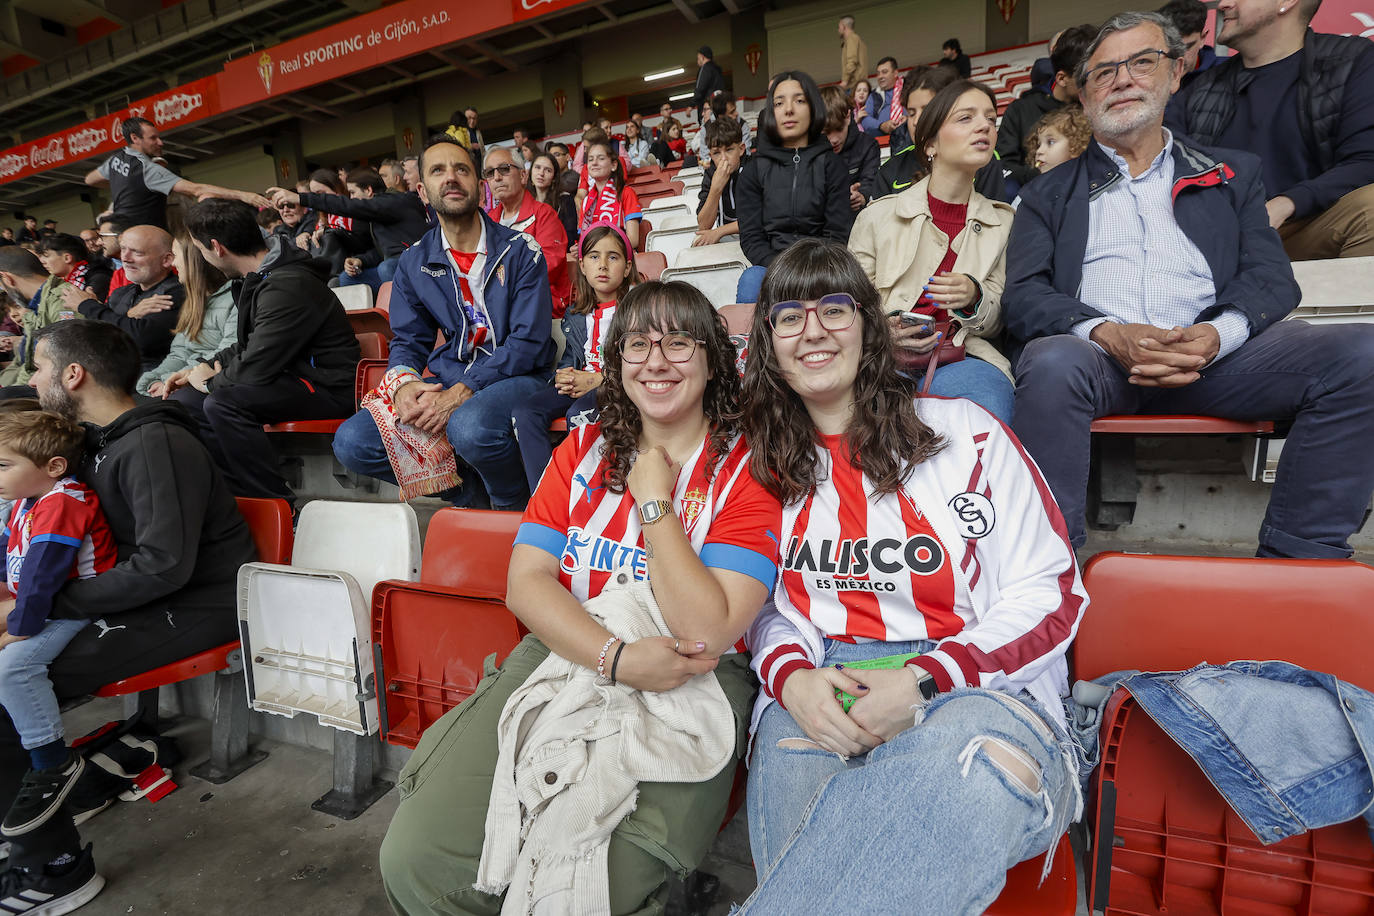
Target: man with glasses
[108, 232]
[516, 208]
[397, 219]
[1304, 103]
[1143, 277]
[486, 288]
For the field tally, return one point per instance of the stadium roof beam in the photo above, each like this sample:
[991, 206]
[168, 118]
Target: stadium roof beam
[492, 54]
[452, 60]
[686, 10]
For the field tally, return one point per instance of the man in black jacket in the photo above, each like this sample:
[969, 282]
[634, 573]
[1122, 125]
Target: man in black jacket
[148, 306]
[710, 79]
[1144, 278]
[856, 149]
[1304, 103]
[398, 220]
[294, 359]
[172, 593]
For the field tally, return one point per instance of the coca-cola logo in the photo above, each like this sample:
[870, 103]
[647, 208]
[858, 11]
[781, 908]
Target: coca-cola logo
[83, 141]
[47, 154]
[12, 164]
[176, 107]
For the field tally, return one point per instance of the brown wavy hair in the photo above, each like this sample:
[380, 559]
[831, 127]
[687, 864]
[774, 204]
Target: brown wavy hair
[663, 307]
[884, 436]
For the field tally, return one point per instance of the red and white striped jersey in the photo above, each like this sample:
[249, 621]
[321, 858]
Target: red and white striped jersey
[731, 521]
[973, 548]
[862, 568]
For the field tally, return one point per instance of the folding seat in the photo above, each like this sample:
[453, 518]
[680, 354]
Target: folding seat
[713, 269]
[1164, 840]
[354, 298]
[672, 242]
[431, 637]
[650, 264]
[307, 632]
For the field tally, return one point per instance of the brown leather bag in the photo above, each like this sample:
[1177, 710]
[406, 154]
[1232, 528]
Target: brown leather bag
[943, 354]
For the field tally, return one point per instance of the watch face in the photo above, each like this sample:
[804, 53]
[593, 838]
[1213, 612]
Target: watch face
[651, 512]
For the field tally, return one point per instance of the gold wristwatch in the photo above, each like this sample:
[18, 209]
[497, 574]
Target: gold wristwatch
[654, 510]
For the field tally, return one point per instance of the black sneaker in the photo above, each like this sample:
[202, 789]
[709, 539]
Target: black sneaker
[40, 795]
[38, 893]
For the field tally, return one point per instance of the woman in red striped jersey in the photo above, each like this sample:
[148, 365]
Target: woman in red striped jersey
[657, 489]
[918, 533]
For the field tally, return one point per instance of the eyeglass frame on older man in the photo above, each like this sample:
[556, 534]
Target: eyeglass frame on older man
[1102, 76]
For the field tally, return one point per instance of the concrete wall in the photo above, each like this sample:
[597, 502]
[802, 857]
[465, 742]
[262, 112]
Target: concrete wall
[804, 37]
[248, 168]
[1048, 18]
[656, 44]
[71, 212]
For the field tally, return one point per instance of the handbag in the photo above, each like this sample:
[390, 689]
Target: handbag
[944, 353]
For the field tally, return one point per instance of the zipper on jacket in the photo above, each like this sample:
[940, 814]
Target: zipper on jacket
[796, 169]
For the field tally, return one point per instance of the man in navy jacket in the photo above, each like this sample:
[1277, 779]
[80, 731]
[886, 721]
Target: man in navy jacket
[485, 287]
[1144, 277]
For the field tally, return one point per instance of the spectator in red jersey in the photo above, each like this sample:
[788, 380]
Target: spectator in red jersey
[917, 539]
[656, 491]
[609, 199]
[517, 208]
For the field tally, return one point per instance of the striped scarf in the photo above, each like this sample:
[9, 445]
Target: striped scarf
[894, 109]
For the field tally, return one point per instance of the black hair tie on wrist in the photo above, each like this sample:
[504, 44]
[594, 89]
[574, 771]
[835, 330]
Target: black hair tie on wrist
[616, 661]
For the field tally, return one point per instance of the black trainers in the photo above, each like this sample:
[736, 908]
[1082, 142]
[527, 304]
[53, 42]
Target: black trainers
[38, 893]
[40, 795]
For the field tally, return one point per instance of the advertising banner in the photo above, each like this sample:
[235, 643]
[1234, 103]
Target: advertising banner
[182, 105]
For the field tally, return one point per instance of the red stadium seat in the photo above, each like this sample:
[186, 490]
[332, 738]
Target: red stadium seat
[373, 344]
[374, 347]
[383, 302]
[1164, 840]
[1165, 425]
[739, 317]
[269, 521]
[371, 320]
[650, 264]
[368, 376]
[1025, 895]
[645, 227]
[431, 638]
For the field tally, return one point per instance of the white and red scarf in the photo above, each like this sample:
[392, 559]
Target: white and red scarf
[602, 206]
[423, 462]
[895, 112]
[77, 275]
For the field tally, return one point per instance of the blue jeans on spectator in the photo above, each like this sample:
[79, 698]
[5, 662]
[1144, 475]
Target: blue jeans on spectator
[25, 691]
[750, 282]
[481, 432]
[935, 819]
[979, 381]
[372, 276]
[532, 418]
[1319, 378]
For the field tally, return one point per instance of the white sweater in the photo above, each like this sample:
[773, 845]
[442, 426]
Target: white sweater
[572, 750]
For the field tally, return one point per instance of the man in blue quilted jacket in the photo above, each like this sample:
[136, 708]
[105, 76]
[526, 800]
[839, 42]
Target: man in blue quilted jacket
[486, 289]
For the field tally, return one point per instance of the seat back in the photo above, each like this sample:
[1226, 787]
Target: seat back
[367, 377]
[354, 298]
[672, 242]
[719, 283]
[269, 521]
[384, 297]
[373, 344]
[1164, 613]
[470, 549]
[369, 541]
[739, 317]
[650, 265]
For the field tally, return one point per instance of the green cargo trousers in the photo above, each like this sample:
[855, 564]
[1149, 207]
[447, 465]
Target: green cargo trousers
[430, 854]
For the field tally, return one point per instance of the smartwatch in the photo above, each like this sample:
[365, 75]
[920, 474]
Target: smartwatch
[654, 510]
[925, 683]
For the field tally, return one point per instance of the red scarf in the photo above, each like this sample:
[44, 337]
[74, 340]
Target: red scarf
[895, 112]
[77, 275]
[602, 206]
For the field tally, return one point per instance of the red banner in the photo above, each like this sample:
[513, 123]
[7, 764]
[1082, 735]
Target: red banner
[1346, 17]
[182, 105]
[528, 9]
[354, 46]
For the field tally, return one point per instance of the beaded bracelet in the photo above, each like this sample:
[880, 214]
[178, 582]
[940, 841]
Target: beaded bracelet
[615, 662]
[601, 659]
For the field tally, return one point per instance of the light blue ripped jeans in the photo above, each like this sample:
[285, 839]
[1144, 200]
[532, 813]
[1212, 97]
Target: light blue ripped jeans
[929, 818]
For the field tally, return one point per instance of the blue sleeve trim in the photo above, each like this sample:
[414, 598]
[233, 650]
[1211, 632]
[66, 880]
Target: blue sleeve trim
[58, 538]
[741, 560]
[542, 536]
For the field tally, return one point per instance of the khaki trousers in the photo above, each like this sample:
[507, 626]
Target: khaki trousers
[1344, 231]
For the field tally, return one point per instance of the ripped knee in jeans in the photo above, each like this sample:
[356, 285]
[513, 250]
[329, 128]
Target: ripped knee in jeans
[1013, 762]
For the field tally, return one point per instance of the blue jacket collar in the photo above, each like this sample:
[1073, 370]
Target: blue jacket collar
[1190, 163]
[499, 242]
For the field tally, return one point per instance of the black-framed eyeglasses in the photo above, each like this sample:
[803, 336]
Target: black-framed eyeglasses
[676, 347]
[1138, 65]
[504, 169]
[835, 311]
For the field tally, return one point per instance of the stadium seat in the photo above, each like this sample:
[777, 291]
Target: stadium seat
[645, 227]
[713, 269]
[650, 264]
[670, 242]
[373, 344]
[1025, 895]
[739, 317]
[269, 521]
[1164, 840]
[368, 376]
[653, 192]
[354, 298]
[307, 631]
[370, 320]
[375, 347]
[383, 302]
[1112, 481]
[431, 637]
[676, 218]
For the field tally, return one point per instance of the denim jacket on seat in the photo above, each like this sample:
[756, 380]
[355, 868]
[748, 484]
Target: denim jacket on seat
[1289, 749]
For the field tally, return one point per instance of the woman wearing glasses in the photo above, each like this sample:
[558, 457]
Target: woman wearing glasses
[926, 575]
[658, 489]
[936, 253]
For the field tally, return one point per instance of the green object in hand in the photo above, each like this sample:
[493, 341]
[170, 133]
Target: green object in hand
[868, 664]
